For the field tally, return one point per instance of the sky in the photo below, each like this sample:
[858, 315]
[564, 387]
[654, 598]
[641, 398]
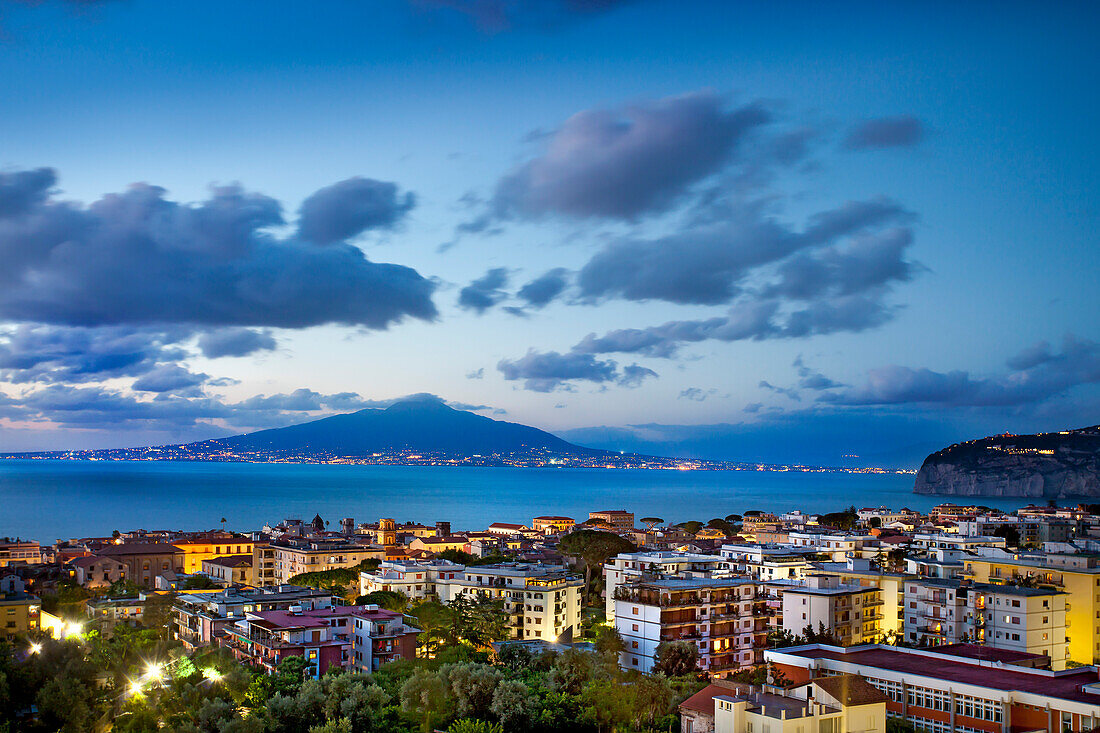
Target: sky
[781, 231]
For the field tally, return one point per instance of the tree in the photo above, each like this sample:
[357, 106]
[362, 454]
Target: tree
[468, 725]
[512, 704]
[722, 525]
[1010, 533]
[876, 522]
[734, 518]
[594, 547]
[425, 694]
[690, 527]
[847, 519]
[651, 522]
[675, 658]
[610, 642]
[391, 600]
[471, 686]
[458, 556]
[515, 657]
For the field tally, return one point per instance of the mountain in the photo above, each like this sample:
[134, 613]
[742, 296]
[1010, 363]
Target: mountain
[424, 426]
[1046, 466]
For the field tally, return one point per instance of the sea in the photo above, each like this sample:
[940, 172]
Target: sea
[47, 500]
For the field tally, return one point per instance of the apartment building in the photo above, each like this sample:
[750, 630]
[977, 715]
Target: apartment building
[540, 601]
[950, 692]
[843, 704]
[201, 617]
[230, 569]
[295, 556]
[767, 562]
[416, 579]
[344, 637]
[144, 561]
[93, 571]
[19, 552]
[939, 540]
[837, 545]
[195, 551]
[552, 524]
[948, 611]
[628, 567]
[19, 611]
[724, 617]
[618, 519]
[263, 565]
[852, 613]
[111, 611]
[891, 588]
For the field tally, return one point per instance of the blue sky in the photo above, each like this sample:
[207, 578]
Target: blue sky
[666, 169]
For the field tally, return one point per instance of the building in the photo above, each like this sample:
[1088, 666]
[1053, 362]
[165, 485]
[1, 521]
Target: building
[200, 618]
[415, 579]
[94, 571]
[552, 524]
[617, 519]
[19, 552]
[891, 588]
[346, 637]
[766, 562]
[841, 704]
[505, 528]
[947, 611]
[110, 611]
[196, 551]
[628, 567]
[436, 545]
[852, 613]
[723, 617]
[263, 565]
[230, 569]
[296, 556]
[1078, 576]
[982, 691]
[540, 601]
[144, 561]
[19, 611]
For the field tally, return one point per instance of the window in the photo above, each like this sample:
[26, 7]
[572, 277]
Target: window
[634, 627]
[633, 610]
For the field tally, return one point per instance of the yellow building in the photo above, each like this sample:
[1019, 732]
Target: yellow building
[18, 613]
[195, 551]
[1076, 575]
[552, 524]
[867, 574]
[317, 556]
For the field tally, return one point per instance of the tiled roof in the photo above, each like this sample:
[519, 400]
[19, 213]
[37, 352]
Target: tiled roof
[850, 689]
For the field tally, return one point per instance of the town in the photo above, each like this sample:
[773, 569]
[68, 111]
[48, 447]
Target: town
[963, 618]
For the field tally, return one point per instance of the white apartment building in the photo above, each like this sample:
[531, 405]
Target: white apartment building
[629, 567]
[769, 561]
[723, 617]
[938, 540]
[838, 545]
[1012, 618]
[416, 579]
[293, 558]
[850, 612]
[541, 601]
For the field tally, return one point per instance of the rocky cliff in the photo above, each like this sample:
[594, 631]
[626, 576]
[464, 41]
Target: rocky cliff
[1047, 466]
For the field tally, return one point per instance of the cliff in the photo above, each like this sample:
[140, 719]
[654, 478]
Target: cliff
[1045, 466]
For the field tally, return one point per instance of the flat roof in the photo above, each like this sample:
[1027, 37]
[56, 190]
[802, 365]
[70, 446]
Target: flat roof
[961, 669]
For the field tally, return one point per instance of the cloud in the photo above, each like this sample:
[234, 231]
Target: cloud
[135, 258]
[350, 207]
[496, 16]
[885, 132]
[752, 408]
[811, 379]
[476, 374]
[485, 292]
[706, 265]
[695, 394]
[785, 391]
[546, 287]
[169, 378]
[548, 371]
[1035, 375]
[628, 162]
[235, 342]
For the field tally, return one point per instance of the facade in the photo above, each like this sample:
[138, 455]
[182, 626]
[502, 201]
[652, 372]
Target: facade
[17, 551]
[1078, 576]
[767, 562]
[618, 519]
[850, 612]
[891, 588]
[724, 617]
[346, 637]
[415, 579]
[195, 552]
[144, 561]
[435, 545]
[110, 611]
[200, 618]
[628, 567]
[19, 613]
[94, 571]
[540, 601]
[294, 557]
[1029, 620]
[263, 565]
[944, 692]
[842, 704]
[230, 569]
[552, 524]
[505, 528]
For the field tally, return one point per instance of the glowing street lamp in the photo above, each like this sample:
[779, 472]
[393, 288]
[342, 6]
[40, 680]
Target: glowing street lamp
[212, 674]
[154, 671]
[135, 688]
[73, 629]
[36, 648]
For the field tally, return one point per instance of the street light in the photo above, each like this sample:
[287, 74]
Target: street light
[154, 671]
[36, 648]
[135, 688]
[212, 674]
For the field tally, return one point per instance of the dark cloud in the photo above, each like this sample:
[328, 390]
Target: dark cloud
[813, 380]
[169, 378]
[485, 292]
[885, 132]
[235, 342]
[349, 208]
[544, 288]
[39, 353]
[550, 370]
[866, 262]
[137, 258]
[788, 392]
[752, 408]
[706, 265]
[628, 162]
[1035, 376]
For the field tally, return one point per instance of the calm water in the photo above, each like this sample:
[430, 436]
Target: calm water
[46, 500]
